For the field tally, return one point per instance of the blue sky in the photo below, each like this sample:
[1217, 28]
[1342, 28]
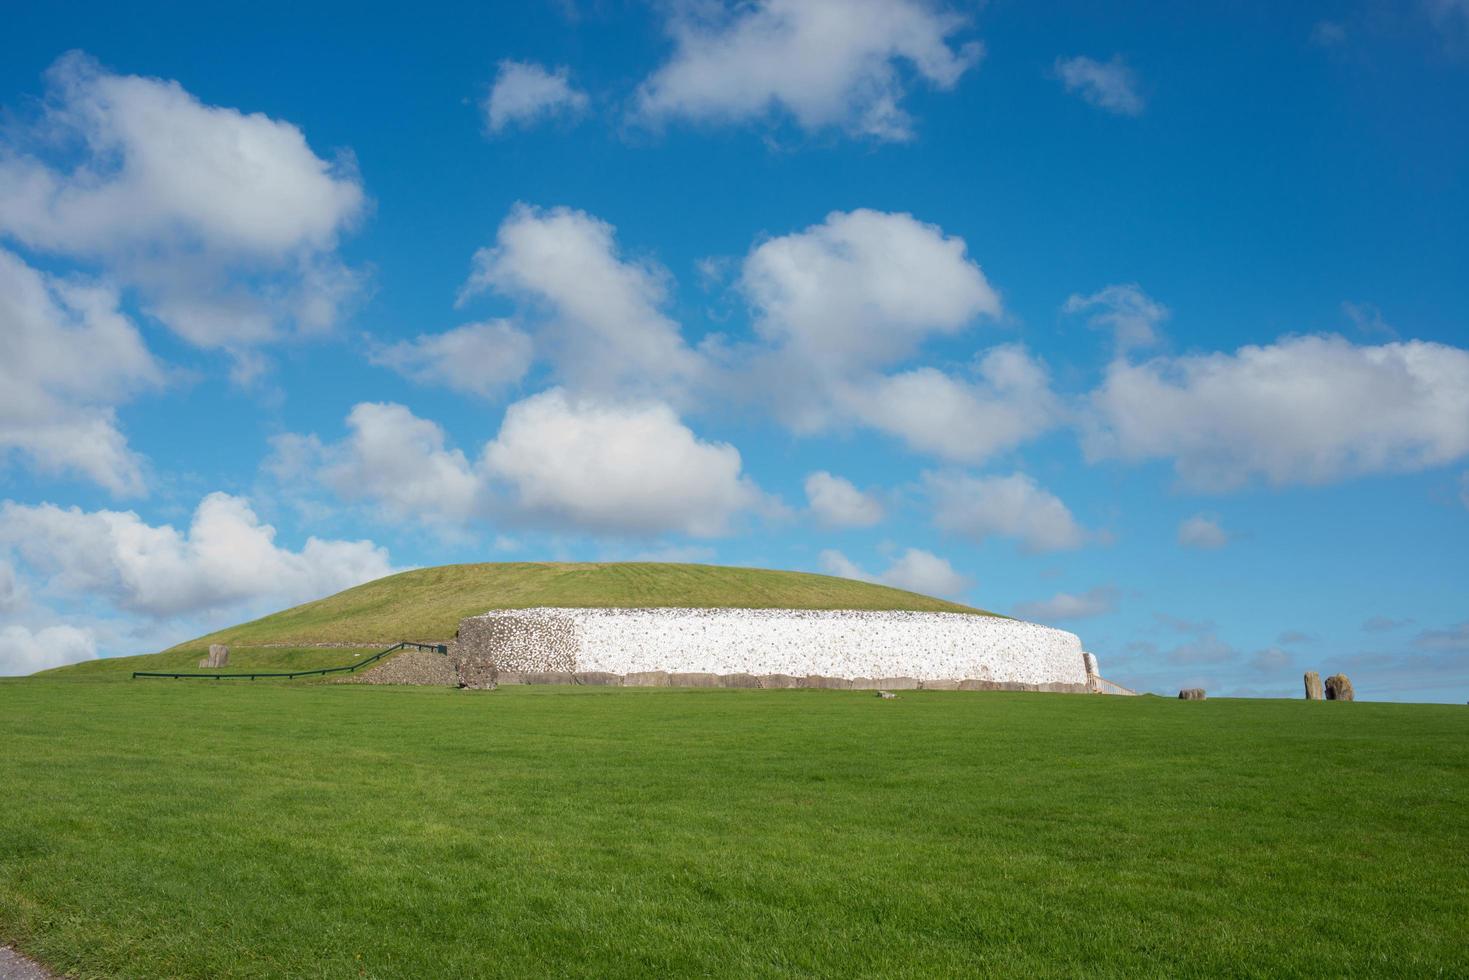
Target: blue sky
[1145, 323]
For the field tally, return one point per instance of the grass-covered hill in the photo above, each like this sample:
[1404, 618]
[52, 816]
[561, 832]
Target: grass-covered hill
[427, 604]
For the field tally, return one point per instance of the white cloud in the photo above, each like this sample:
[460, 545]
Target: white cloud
[604, 331]
[225, 558]
[915, 570]
[630, 468]
[839, 303]
[1009, 402]
[1109, 85]
[478, 358]
[1131, 314]
[526, 93]
[864, 288]
[1270, 659]
[1012, 506]
[227, 221]
[396, 461]
[1068, 605]
[13, 594]
[1202, 531]
[835, 502]
[24, 651]
[1454, 639]
[67, 356]
[824, 63]
[1303, 410]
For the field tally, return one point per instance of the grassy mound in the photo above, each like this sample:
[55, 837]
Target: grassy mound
[340, 830]
[427, 604]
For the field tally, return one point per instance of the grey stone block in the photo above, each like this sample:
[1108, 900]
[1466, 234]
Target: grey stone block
[646, 678]
[598, 678]
[693, 680]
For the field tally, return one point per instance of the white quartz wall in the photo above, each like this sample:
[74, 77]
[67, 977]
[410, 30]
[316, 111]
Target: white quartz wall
[838, 643]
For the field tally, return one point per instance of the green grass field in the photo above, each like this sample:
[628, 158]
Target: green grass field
[427, 604]
[166, 828]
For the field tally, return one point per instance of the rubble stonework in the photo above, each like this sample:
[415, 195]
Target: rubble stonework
[772, 648]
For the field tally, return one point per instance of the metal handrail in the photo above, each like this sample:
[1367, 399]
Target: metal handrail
[349, 668]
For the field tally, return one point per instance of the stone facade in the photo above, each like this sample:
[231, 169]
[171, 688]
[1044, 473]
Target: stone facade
[770, 648]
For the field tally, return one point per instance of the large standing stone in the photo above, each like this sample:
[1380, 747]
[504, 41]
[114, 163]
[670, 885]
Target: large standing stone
[1338, 688]
[1313, 686]
[1191, 694]
[219, 656]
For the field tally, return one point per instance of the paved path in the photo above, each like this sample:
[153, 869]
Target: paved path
[14, 966]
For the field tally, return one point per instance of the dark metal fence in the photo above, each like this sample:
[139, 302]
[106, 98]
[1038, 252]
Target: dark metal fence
[349, 668]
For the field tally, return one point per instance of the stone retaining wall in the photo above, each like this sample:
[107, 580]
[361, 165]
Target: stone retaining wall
[769, 648]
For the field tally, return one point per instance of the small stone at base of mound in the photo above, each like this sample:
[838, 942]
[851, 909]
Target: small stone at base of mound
[1191, 694]
[1338, 688]
[1313, 686]
[886, 695]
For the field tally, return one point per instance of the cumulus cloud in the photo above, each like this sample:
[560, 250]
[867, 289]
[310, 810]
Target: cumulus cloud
[67, 357]
[13, 593]
[398, 462]
[835, 502]
[624, 468]
[915, 570]
[1204, 532]
[838, 304]
[1069, 605]
[1008, 401]
[1109, 85]
[1303, 410]
[1013, 506]
[864, 288]
[525, 93]
[603, 328]
[225, 558]
[25, 651]
[226, 221]
[627, 468]
[822, 63]
[1131, 314]
[477, 359]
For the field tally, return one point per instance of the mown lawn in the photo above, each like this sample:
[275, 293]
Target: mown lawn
[232, 829]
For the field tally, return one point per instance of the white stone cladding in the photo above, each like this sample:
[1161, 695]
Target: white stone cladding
[926, 646]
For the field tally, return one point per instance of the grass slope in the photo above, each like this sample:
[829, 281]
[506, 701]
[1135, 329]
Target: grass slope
[182, 829]
[185, 659]
[427, 604]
